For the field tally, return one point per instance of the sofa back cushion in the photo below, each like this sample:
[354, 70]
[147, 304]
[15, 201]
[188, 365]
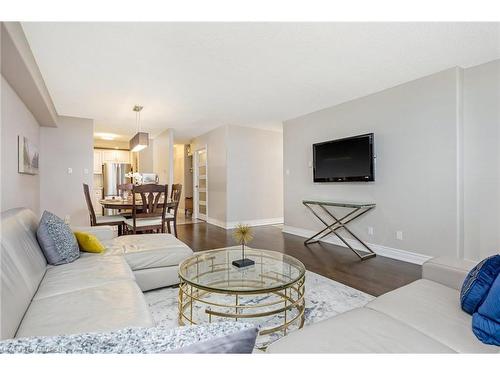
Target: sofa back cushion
[22, 267]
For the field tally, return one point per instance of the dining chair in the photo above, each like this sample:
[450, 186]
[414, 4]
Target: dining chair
[102, 220]
[148, 214]
[171, 216]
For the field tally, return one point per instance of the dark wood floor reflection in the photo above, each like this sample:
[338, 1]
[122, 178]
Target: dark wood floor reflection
[374, 276]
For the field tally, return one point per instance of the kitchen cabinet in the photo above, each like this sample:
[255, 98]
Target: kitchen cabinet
[115, 156]
[109, 156]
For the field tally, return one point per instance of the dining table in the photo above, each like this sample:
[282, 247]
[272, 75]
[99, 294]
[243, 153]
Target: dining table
[119, 203]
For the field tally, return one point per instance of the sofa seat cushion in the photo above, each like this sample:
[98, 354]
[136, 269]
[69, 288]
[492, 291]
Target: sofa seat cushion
[85, 272]
[358, 331]
[144, 251]
[110, 306]
[433, 309]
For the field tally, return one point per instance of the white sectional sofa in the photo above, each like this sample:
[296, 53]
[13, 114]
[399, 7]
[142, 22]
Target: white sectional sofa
[422, 317]
[95, 293]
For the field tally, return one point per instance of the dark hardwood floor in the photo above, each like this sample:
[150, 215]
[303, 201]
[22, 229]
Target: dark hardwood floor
[374, 276]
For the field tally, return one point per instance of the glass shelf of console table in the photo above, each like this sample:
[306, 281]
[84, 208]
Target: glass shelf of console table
[335, 203]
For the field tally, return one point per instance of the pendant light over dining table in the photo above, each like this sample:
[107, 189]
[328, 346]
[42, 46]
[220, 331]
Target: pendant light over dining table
[141, 140]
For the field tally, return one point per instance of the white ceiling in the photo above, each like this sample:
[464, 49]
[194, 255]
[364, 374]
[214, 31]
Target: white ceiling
[196, 76]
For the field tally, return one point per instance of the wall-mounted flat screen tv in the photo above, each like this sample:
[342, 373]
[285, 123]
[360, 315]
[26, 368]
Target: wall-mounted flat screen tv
[346, 159]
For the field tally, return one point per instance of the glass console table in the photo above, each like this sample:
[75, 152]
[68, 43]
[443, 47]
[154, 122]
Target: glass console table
[356, 210]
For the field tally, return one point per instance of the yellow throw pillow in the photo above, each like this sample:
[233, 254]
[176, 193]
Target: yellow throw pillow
[89, 243]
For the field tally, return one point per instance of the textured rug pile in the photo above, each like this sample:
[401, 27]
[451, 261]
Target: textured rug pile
[325, 298]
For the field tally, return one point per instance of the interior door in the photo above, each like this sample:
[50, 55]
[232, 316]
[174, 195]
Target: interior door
[201, 184]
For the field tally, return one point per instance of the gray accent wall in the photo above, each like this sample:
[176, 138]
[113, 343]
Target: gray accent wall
[423, 175]
[255, 175]
[481, 113]
[17, 190]
[70, 145]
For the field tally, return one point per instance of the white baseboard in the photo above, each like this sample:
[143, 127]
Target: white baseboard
[255, 223]
[252, 223]
[219, 223]
[389, 252]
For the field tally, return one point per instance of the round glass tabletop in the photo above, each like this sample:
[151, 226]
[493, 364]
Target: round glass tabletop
[213, 271]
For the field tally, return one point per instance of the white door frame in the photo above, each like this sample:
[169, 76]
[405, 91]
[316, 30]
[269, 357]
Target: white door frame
[196, 213]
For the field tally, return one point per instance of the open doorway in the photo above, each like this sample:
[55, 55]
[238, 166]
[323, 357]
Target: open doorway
[183, 174]
[200, 184]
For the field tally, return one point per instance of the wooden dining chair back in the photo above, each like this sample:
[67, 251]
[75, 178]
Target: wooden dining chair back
[151, 206]
[90, 207]
[101, 220]
[175, 198]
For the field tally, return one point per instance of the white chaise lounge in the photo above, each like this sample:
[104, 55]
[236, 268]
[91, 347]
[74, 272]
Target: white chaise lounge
[95, 293]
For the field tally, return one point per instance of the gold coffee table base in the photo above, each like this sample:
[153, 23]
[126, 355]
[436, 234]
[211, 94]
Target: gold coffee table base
[273, 298]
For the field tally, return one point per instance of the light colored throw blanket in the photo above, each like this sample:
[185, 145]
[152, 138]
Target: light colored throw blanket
[224, 337]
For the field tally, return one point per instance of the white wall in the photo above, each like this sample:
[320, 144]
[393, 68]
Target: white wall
[245, 175]
[17, 190]
[415, 140]
[482, 160]
[163, 151]
[145, 158]
[70, 145]
[215, 142]
[179, 170]
[188, 173]
[254, 176]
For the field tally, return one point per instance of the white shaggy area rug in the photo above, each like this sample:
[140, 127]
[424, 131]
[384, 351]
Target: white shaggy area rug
[324, 297]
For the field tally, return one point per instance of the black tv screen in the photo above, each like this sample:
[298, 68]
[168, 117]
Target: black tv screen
[347, 159]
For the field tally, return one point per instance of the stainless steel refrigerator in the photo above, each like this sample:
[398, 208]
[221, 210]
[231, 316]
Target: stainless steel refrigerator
[113, 174]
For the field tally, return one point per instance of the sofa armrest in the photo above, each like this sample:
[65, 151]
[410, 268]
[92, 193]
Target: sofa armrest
[447, 271]
[102, 232]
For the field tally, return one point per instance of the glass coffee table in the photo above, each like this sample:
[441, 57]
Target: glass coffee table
[269, 293]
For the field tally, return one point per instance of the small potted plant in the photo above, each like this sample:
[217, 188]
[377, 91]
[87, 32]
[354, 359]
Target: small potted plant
[243, 235]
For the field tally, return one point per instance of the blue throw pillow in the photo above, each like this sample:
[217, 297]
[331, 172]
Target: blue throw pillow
[478, 282]
[57, 240]
[486, 321]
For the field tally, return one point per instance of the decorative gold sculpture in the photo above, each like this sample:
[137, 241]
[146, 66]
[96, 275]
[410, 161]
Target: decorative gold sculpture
[243, 235]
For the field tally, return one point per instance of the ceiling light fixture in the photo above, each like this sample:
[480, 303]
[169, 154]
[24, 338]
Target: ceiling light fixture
[141, 140]
[106, 136]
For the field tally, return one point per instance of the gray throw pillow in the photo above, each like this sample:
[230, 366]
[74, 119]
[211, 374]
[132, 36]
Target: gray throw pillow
[56, 239]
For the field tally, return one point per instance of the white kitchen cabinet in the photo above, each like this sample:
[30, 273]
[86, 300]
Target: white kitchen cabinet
[108, 156]
[97, 162]
[115, 156]
[122, 156]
